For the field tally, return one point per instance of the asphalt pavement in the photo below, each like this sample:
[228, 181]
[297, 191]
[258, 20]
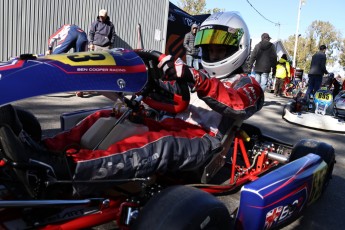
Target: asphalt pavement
[326, 213]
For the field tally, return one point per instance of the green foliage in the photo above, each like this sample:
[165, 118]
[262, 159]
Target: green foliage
[318, 33]
[195, 7]
[342, 55]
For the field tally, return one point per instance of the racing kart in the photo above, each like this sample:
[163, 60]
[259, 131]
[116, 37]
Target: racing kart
[323, 110]
[275, 181]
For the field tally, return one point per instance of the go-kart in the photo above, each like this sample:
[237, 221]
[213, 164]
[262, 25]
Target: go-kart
[322, 111]
[277, 181]
[339, 105]
[292, 87]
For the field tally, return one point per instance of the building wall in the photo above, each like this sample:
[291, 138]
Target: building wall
[26, 25]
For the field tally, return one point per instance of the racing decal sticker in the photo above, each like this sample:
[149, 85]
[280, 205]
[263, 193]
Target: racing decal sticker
[318, 180]
[85, 59]
[12, 65]
[272, 216]
[86, 63]
[324, 96]
[281, 213]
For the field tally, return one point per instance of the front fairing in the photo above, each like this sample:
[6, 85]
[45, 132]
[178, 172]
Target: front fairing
[117, 70]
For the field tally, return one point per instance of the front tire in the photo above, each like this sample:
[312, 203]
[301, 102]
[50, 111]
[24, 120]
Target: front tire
[325, 151]
[183, 208]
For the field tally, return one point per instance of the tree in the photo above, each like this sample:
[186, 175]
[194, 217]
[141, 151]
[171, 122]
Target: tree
[318, 33]
[195, 7]
[342, 55]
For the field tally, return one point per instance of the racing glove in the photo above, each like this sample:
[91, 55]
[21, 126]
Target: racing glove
[178, 70]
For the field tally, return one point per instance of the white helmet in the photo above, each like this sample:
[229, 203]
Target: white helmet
[229, 29]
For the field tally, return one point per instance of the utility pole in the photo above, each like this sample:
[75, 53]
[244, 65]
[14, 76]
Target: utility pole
[297, 35]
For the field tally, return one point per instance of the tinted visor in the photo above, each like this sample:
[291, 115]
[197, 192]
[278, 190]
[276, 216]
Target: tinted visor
[218, 35]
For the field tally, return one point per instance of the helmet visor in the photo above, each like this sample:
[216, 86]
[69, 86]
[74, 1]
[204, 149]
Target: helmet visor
[218, 35]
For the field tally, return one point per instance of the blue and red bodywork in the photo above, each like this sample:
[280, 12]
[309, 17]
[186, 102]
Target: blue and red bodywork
[282, 194]
[85, 71]
[266, 202]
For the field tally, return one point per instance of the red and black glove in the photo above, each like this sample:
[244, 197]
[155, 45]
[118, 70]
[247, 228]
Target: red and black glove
[179, 70]
[175, 70]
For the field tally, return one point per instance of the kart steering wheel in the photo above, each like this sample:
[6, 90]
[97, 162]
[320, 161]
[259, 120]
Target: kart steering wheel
[154, 94]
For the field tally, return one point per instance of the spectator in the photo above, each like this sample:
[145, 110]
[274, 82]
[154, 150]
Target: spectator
[192, 53]
[265, 57]
[102, 32]
[282, 72]
[220, 99]
[317, 70]
[68, 37]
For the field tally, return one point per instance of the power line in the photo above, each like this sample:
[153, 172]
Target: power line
[276, 24]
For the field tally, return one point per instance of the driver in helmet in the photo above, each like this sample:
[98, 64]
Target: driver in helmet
[220, 96]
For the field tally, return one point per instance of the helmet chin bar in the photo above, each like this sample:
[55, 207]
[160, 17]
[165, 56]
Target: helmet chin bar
[227, 66]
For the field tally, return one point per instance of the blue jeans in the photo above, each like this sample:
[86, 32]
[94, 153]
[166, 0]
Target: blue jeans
[261, 78]
[74, 39]
[192, 61]
[314, 84]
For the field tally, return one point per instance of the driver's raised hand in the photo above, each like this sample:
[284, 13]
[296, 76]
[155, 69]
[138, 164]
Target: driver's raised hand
[175, 70]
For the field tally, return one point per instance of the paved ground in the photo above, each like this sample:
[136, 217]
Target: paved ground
[327, 213]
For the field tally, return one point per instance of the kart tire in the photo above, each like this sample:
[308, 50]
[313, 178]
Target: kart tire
[251, 130]
[286, 107]
[325, 151]
[30, 124]
[183, 208]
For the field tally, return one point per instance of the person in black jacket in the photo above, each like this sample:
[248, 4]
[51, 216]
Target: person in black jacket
[265, 57]
[102, 32]
[317, 70]
[192, 52]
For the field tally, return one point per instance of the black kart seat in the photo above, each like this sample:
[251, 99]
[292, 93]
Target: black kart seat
[12, 149]
[8, 116]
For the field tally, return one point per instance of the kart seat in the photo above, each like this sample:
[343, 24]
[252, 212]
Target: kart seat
[219, 157]
[13, 151]
[20, 153]
[8, 116]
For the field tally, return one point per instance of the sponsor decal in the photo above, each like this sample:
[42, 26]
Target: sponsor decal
[172, 18]
[84, 59]
[149, 160]
[272, 216]
[318, 180]
[66, 214]
[250, 92]
[102, 69]
[281, 213]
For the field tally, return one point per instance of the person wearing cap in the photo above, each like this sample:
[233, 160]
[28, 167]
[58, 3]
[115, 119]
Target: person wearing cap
[317, 70]
[102, 32]
[264, 56]
[282, 72]
[192, 53]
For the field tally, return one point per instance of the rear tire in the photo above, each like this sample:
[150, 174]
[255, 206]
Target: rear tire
[325, 151]
[183, 208]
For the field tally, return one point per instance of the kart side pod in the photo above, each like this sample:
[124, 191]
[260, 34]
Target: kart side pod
[282, 194]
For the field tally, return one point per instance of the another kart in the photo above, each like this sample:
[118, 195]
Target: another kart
[321, 111]
[339, 105]
[276, 181]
